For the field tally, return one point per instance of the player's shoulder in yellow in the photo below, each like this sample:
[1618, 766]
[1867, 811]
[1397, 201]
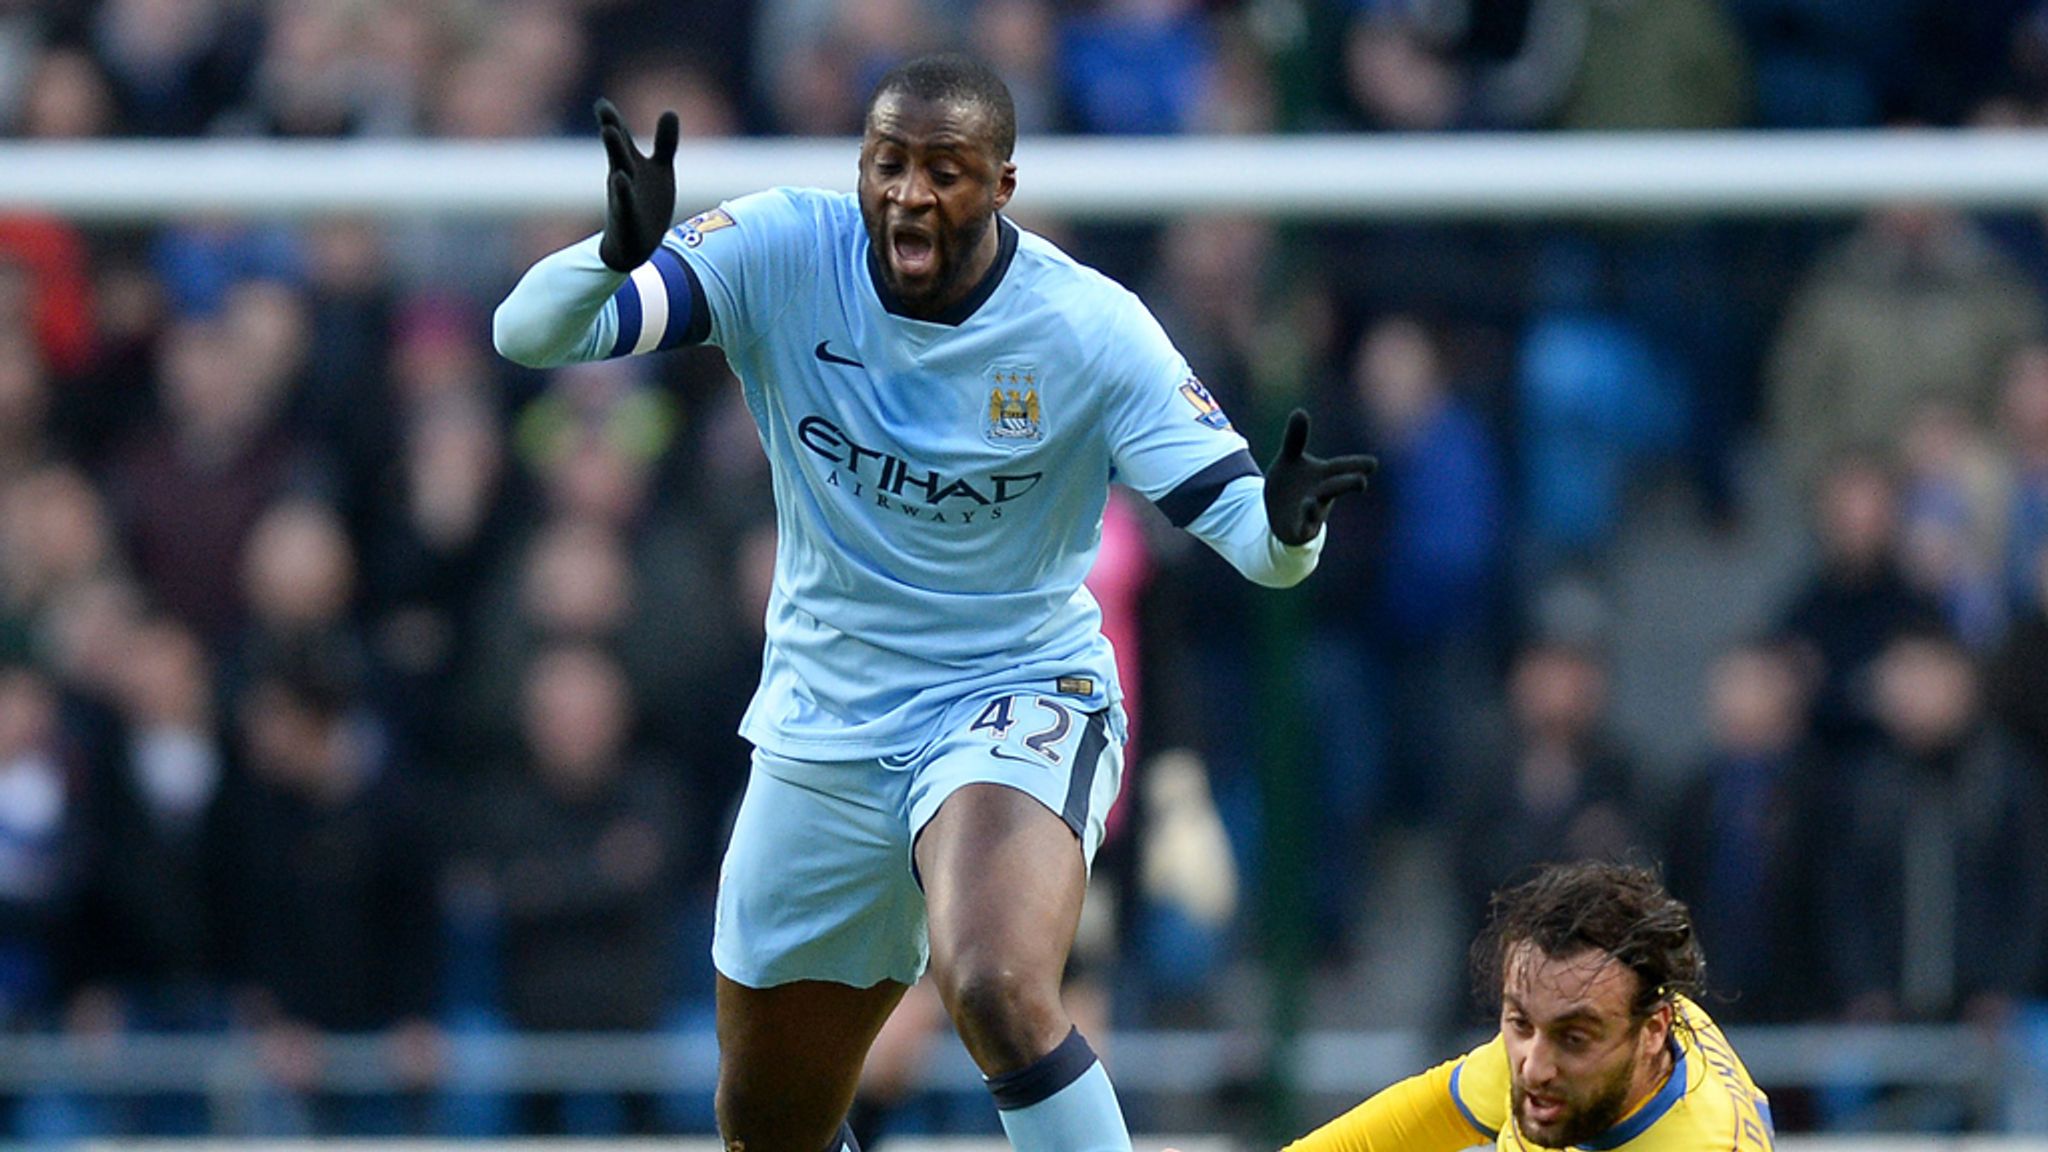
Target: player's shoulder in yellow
[1722, 1108]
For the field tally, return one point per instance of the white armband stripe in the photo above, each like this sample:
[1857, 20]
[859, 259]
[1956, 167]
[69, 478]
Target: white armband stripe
[653, 292]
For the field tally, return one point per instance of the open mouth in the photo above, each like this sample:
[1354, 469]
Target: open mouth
[1543, 1111]
[913, 253]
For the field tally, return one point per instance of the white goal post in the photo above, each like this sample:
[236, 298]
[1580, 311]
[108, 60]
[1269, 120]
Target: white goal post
[1331, 177]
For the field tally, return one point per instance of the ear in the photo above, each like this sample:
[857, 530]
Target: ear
[1657, 1028]
[1006, 184]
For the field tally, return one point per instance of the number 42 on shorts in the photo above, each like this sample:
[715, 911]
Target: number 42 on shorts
[1000, 716]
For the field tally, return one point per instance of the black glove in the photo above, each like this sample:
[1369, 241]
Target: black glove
[1300, 488]
[640, 193]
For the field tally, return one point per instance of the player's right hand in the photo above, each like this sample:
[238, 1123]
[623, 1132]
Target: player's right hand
[640, 192]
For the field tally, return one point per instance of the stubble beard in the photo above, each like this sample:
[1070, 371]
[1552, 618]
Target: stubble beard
[1601, 1111]
[954, 252]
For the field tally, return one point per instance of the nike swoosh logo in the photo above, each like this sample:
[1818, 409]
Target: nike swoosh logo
[830, 357]
[1004, 754]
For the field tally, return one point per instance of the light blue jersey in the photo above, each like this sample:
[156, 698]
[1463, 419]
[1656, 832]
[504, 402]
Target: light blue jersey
[939, 485]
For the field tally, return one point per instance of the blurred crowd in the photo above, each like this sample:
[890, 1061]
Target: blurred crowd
[354, 681]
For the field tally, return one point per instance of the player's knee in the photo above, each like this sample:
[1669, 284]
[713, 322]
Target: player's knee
[746, 1117]
[1000, 1003]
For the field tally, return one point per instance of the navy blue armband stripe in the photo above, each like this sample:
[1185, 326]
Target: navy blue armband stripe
[689, 321]
[628, 300]
[1192, 496]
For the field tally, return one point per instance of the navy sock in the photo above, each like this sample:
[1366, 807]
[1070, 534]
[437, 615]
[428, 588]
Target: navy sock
[1062, 1102]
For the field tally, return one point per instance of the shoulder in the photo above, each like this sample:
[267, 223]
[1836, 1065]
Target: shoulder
[771, 212]
[1047, 270]
[1103, 315]
[1479, 1086]
[1721, 1107]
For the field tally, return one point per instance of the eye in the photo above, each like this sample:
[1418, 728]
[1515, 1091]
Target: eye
[1519, 1025]
[1574, 1040]
[944, 176]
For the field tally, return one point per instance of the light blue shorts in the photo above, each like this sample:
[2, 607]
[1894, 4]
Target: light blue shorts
[818, 882]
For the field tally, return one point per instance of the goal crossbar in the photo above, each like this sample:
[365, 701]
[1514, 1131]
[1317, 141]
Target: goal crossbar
[1475, 176]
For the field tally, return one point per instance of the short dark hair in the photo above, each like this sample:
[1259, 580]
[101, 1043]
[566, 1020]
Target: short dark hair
[1616, 908]
[955, 77]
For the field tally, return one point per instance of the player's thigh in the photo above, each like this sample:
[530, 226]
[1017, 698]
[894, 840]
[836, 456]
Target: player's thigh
[816, 881]
[790, 1059]
[1004, 879]
[1068, 760]
[1007, 818]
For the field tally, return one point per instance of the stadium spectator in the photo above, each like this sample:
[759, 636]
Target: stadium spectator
[1561, 788]
[441, 520]
[1595, 400]
[67, 97]
[2024, 409]
[1856, 599]
[1134, 67]
[40, 870]
[361, 336]
[1020, 39]
[299, 578]
[1394, 79]
[584, 843]
[1408, 645]
[189, 489]
[648, 85]
[39, 820]
[1934, 872]
[2017, 675]
[1915, 305]
[1437, 601]
[49, 291]
[149, 946]
[1647, 64]
[815, 60]
[1952, 509]
[1741, 843]
[175, 65]
[54, 536]
[1573, 65]
[334, 902]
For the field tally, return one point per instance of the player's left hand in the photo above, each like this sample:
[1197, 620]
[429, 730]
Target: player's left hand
[1300, 488]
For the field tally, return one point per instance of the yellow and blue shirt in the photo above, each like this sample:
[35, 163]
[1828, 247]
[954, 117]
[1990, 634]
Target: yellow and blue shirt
[1708, 1104]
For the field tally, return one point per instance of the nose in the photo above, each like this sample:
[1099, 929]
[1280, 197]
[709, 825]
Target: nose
[1539, 1067]
[912, 190]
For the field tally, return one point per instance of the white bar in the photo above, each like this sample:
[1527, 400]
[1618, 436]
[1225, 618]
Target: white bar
[1355, 177]
[1329, 1062]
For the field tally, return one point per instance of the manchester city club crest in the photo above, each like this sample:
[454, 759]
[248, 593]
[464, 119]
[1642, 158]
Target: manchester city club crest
[1013, 409]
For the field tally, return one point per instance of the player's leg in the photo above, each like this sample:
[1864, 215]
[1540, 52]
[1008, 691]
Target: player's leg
[1003, 882]
[1004, 866]
[819, 931]
[789, 1059]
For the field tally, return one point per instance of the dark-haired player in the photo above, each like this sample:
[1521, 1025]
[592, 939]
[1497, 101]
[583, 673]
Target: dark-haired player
[1601, 1045]
[944, 399]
